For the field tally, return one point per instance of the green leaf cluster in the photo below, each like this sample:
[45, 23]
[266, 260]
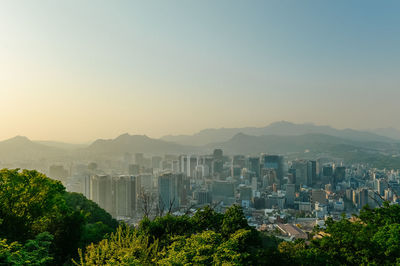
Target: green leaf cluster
[33, 205]
[371, 238]
[207, 238]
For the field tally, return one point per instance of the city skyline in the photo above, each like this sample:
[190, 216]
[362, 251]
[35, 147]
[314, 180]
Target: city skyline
[77, 71]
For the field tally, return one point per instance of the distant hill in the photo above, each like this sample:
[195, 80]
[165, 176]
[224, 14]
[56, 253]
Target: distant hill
[390, 132]
[283, 128]
[21, 147]
[62, 145]
[246, 144]
[136, 143]
[377, 154]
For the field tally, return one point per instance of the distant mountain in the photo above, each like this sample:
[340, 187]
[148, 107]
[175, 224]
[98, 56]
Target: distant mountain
[312, 143]
[61, 145]
[246, 144]
[390, 132]
[20, 147]
[136, 143]
[283, 128]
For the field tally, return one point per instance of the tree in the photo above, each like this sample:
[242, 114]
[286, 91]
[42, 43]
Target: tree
[30, 204]
[233, 220]
[207, 219]
[34, 252]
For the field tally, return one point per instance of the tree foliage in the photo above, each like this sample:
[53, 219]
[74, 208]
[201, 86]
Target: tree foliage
[32, 204]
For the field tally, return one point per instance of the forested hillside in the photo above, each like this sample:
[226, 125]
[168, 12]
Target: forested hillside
[42, 224]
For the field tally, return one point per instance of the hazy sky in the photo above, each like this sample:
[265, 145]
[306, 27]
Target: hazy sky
[81, 70]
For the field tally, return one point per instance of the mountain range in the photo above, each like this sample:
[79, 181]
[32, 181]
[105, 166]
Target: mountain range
[279, 137]
[282, 128]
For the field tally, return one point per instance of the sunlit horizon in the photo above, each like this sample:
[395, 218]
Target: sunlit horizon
[76, 71]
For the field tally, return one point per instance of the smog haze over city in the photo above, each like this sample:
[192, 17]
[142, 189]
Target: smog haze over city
[75, 71]
[199, 132]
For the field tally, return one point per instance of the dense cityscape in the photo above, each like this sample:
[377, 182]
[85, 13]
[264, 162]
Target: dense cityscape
[170, 132]
[274, 193]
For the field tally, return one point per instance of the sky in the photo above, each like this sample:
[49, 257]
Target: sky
[77, 70]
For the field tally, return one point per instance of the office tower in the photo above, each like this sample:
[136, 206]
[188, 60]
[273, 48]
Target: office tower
[254, 165]
[175, 166]
[381, 186]
[167, 166]
[218, 154]
[172, 189]
[349, 194]
[218, 167]
[268, 177]
[123, 195]
[236, 171]
[206, 162]
[203, 196]
[184, 162]
[167, 190]
[101, 192]
[245, 193]
[135, 190]
[134, 169]
[290, 194]
[139, 159]
[303, 170]
[254, 183]
[156, 162]
[146, 181]
[360, 197]
[327, 174]
[339, 174]
[128, 158]
[183, 187]
[313, 171]
[86, 186]
[318, 195]
[192, 166]
[223, 189]
[292, 175]
[58, 172]
[274, 162]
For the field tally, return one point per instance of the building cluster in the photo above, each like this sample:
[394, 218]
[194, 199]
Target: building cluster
[271, 188]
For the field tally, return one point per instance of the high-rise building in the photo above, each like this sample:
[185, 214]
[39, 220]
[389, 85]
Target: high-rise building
[102, 192]
[123, 195]
[139, 159]
[339, 174]
[192, 166]
[254, 165]
[184, 164]
[223, 189]
[134, 169]
[172, 190]
[303, 170]
[313, 171]
[327, 174]
[203, 196]
[360, 197]
[156, 162]
[218, 154]
[218, 167]
[318, 195]
[246, 193]
[290, 194]
[274, 162]
[58, 172]
[381, 186]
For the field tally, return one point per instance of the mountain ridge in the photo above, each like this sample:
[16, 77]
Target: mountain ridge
[283, 128]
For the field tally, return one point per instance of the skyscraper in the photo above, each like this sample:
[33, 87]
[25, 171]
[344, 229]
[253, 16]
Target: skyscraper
[304, 172]
[273, 162]
[171, 190]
